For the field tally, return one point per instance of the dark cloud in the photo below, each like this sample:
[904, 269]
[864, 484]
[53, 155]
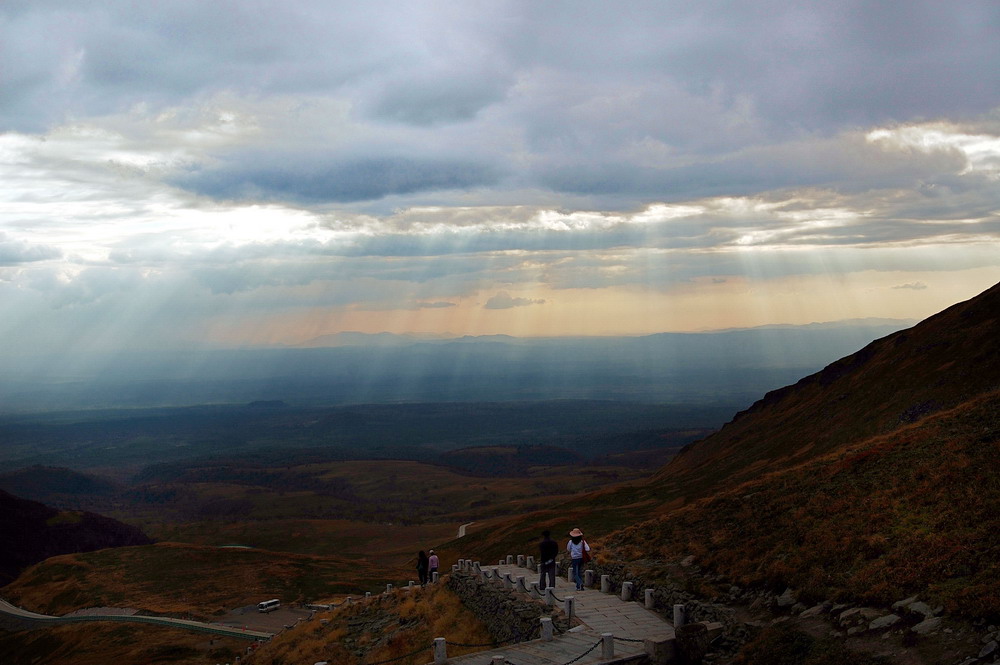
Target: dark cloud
[14, 252]
[355, 180]
[504, 300]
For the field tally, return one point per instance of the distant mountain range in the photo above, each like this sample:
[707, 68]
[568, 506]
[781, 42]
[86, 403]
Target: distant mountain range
[730, 366]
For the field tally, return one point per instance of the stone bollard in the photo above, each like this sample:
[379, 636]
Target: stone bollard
[496, 574]
[409, 585]
[435, 577]
[461, 564]
[605, 584]
[546, 629]
[530, 563]
[550, 596]
[627, 591]
[454, 568]
[607, 646]
[440, 651]
[534, 590]
[501, 562]
[569, 574]
[510, 559]
[508, 581]
[368, 594]
[388, 588]
[680, 616]
[349, 600]
[478, 568]
[520, 561]
[498, 660]
[588, 578]
[521, 585]
[569, 606]
[660, 652]
[650, 602]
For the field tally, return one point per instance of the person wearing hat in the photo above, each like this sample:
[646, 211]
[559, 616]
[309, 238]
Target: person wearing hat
[432, 562]
[577, 548]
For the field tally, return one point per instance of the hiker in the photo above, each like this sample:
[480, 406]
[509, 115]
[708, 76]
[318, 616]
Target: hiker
[422, 566]
[578, 551]
[432, 562]
[547, 550]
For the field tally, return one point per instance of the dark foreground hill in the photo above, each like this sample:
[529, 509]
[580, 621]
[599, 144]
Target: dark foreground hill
[32, 532]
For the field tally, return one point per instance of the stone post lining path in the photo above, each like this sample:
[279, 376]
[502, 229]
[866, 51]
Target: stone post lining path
[598, 612]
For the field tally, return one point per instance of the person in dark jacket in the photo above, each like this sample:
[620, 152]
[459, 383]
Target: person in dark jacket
[422, 566]
[547, 551]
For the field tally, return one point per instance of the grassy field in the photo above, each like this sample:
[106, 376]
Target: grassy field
[188, 580]
[103, 643]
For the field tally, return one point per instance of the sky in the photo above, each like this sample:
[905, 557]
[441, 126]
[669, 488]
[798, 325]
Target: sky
[224, 174]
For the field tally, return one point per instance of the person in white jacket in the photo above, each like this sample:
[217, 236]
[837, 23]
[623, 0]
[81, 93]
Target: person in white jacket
[576, 548]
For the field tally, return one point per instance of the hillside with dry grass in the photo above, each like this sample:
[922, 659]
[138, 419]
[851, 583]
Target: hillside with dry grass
[870, 481]
[188, 580]
[103, 643]
[383, 628]
[913, 512]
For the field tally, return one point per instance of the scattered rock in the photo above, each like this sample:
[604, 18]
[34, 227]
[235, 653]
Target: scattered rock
[904, 603]
[988, 650]
[854, 630]
[920, 608]
[858, 615]
[798, 608]
[687, 561]
[927, 625]
[887, 621]
[787, 599]
[813, 611]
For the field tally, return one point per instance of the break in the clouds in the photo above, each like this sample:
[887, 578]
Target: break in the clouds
[173, 172]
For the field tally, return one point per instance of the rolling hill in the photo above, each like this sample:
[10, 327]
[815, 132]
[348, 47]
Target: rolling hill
[32, 532]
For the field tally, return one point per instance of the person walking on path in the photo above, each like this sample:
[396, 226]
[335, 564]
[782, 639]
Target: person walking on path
[578, 550]
[422, 566]
[547, 551]
[432, 565]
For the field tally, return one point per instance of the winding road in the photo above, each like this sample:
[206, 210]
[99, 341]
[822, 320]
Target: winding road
[184, 624]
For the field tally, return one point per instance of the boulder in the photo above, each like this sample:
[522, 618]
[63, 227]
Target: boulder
[903, 603]
[921, 608]
[858, 615]
[927, 626]
[813, 611]
[988, 650]
[787, 599]
[887, 621]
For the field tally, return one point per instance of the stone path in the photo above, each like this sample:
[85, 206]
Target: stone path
[599, 613]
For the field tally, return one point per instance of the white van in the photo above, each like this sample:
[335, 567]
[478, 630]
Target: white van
[268, 605]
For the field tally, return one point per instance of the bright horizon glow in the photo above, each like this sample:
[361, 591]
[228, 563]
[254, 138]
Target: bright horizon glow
[168, 183]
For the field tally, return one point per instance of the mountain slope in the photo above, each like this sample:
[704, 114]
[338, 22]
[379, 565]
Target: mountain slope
[912, 512]
[32, 532]
[939, 363]
[947, 360]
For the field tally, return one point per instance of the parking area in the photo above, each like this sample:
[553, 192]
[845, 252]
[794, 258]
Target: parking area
[248, 617]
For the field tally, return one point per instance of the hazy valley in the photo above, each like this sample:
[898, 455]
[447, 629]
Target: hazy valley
[839, 488]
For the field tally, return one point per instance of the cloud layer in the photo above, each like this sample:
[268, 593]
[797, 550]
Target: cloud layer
[171, 173]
